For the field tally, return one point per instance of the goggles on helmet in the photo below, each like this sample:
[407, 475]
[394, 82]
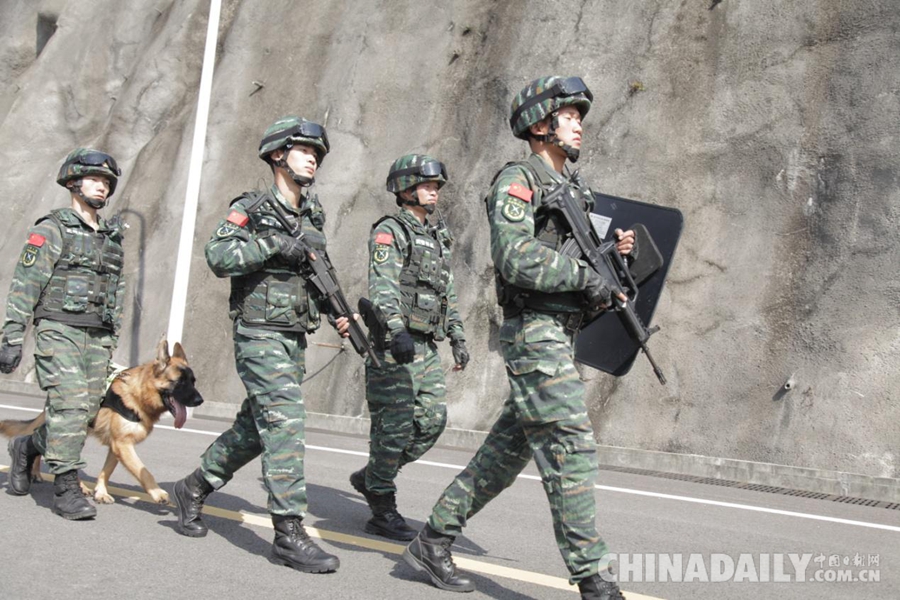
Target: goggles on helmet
[98, 159]
[428, 169]
[305, 129]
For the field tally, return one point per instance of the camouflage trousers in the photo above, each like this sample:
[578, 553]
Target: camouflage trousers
[72, 364]
[545, 417]
[406, 403]
[270, 422]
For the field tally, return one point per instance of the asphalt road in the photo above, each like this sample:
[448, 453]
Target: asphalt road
[132, 550]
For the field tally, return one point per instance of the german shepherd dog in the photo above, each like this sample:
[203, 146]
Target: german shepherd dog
[133, 404]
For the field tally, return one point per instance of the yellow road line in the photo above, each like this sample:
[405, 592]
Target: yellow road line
[466, 564]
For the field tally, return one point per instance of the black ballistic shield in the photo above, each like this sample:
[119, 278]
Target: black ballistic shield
[605, 343]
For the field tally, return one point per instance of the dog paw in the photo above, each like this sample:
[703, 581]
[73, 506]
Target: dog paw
[85, 490]
[159, 496]
[103, 498]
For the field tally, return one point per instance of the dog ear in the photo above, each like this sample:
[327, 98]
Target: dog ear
[179, 351]
[162, 354]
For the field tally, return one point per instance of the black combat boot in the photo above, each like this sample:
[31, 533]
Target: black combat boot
[22, 451]
[430, 552]
[358, 481]
[386, 521]
[596, 588]
[190, 493]
[68, 500]
[293, 548]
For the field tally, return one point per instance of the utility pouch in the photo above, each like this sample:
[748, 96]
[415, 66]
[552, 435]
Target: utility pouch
[281, 298]
[421, 316]
[77, 292]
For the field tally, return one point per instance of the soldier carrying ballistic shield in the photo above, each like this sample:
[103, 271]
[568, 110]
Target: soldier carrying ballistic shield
[545, 296]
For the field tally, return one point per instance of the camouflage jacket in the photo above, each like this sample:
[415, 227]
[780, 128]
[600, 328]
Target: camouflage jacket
[266, 292]
[523, 247]
[43, 250]
[390, 250]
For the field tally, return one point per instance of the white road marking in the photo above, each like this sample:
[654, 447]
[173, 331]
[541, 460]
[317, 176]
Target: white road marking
[605, 488]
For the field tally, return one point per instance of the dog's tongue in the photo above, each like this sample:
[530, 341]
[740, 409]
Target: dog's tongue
[180, 414]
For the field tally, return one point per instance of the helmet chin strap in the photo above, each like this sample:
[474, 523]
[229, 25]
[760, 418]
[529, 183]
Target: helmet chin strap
[429, 208]
[551, 138]
[298, 179]
[93, 203]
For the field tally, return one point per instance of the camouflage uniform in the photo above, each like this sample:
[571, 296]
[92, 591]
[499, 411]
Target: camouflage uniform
[273, 309]
[70, 280]
[545, 415]
[406, 402]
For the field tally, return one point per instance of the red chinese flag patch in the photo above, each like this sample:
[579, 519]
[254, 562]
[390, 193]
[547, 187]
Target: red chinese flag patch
[384, 238]
[521, 192]
[237, 218]
[36, 239]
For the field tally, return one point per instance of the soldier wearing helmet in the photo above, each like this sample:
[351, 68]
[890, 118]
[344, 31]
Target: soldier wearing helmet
[544, 296]
[273, 308]
[70, 281]
[413, 305]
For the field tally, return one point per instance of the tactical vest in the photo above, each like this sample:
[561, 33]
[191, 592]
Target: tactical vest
[424, 280]
[551, 231]
[276, 296]
[82, 288]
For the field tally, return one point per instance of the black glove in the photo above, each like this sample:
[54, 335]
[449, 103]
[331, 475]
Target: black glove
[10, 356]
[289, 249]
[597, 290]
[460, 353]
[403, 349]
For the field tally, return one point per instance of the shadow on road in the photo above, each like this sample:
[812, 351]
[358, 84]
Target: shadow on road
[335, 510]
[347, 512]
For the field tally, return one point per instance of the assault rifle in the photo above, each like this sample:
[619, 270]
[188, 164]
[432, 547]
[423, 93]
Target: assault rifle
[606, 260]
[324, 279]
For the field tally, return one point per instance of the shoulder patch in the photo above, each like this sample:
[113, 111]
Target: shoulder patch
[384, 238]
[380, 255]
[36, 239]
[521, 192]
[237, 218]
[514, 210]
[29, 256]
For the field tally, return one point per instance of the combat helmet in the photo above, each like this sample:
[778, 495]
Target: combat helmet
[543, 98]
[86, 161]
[291, 131]
[412, 169]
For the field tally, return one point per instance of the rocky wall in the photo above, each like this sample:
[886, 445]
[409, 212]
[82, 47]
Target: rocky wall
[771, 125]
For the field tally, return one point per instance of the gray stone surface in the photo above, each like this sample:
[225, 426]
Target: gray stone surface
[771, 125]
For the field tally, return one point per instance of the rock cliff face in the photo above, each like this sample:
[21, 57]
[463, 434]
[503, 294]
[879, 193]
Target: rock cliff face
[771, 125]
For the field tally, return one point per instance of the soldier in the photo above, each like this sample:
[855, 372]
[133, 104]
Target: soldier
[69, 279]
[273, 308]
[544, 296]
[414, 306]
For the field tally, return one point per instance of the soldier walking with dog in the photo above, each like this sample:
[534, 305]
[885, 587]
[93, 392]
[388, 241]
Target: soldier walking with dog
[544, 296]
[413, 305]
[273, 309]
[70, 281]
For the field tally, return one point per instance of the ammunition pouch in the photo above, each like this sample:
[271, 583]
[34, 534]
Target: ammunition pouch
[273, 300]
